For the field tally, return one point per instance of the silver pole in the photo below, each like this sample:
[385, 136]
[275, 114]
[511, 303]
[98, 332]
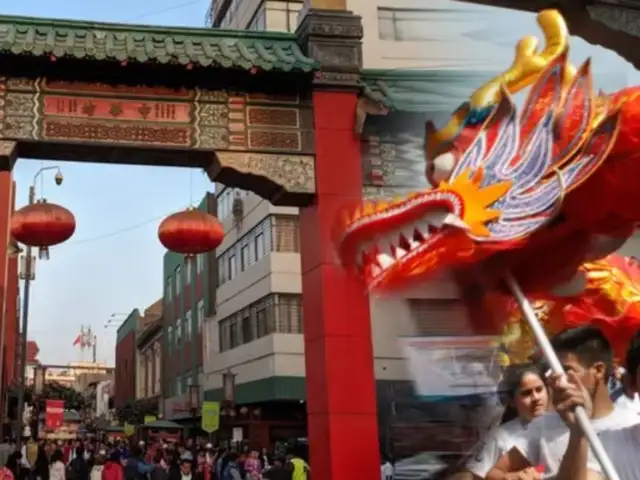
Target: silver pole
[25, 306]
[554, 362]
[23, 329]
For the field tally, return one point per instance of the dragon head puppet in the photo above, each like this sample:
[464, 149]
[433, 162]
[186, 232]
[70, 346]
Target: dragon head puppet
[535, 191]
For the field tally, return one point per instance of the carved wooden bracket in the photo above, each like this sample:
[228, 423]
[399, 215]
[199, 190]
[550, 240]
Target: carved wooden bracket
[367, 107]
[8, 154]
[271, 176]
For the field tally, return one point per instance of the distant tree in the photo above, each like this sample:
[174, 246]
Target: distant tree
[134, 412]
[73, 399]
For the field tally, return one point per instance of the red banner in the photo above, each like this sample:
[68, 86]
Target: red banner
[54, 414]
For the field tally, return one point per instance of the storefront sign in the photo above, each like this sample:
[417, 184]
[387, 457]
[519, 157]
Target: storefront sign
[54, 414]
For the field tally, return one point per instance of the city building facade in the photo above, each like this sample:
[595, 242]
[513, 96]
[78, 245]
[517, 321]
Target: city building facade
[256, 334]
[125, 373]
[189, 297]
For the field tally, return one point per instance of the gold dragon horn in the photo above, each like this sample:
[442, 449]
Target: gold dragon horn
[525, 69]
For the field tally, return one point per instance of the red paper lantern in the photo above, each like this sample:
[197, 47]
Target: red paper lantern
[191, 232]
[42, 225]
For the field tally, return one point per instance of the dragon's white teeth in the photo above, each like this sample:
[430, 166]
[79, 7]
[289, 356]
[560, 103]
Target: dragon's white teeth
[399, 252]
[384, 260]
[375, 270]
[455, 221]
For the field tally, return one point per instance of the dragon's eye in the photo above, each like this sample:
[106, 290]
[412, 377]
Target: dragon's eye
[442, 167]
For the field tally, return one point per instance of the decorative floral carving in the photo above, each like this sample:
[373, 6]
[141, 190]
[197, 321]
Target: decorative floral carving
[213, 114]
[295, 173]
[212, 138]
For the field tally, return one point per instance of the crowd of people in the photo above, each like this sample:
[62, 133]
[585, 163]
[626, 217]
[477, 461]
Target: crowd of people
[92, 459]
[539, 436]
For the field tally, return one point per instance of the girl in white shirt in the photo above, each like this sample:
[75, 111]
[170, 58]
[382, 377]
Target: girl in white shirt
[57, 468]
[525, 397]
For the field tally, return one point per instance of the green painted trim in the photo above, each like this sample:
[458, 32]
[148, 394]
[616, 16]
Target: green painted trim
[205, 47]
[264, 390]
[421, 91]
[128, 326]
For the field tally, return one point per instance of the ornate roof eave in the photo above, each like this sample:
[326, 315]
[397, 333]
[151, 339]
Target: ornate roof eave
[203, 47]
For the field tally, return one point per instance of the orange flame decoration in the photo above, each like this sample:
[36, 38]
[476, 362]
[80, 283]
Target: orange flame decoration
[609, 301]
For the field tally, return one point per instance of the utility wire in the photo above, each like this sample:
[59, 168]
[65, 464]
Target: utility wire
[116, 232]
[165, 10]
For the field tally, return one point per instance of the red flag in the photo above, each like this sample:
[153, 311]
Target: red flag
[77, 340]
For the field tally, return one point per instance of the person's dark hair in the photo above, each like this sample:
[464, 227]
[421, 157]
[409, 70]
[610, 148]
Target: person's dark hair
[13, 462]
[79, 452]
[57, 456]
[508, 386]
[633, 357]
[588, 344]
[136, 451]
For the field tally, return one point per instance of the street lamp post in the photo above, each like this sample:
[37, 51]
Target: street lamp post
[194, 405]
[39, 375]
[28, 274]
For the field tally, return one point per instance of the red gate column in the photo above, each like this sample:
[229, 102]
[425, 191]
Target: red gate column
[8, 271]
[341, 395]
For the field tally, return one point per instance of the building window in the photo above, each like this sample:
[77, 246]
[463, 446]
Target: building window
[262, 324]
[170, 336]
[276, 15]
[254, 245]
[200, 315]
[244, 257]
[169, 291]
[285, 230]
[439, 316]
[178, 280]
[247, 327]
[178, 385]
[271, 314]
[233, 333]
[178, 331]
[288, 313]
[231, 267]
[403, 24]
[259, 246]
[188, 262]
[187, 325]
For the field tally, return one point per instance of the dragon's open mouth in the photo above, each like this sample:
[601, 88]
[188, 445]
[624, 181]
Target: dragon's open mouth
[388, 240]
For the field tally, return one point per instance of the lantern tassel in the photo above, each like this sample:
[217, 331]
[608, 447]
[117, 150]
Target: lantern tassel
[43, 253]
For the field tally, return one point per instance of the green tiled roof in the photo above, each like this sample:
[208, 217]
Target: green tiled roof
[422, 90]
[139, 43]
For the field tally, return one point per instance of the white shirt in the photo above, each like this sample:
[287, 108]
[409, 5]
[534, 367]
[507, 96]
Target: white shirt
[625, 402]
[622, 446]
[497, 442]
[386, 471]
[57, 471]
[547, 437]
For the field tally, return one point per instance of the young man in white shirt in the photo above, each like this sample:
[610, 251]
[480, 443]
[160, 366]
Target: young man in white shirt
[538, 453]
[621, 444]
